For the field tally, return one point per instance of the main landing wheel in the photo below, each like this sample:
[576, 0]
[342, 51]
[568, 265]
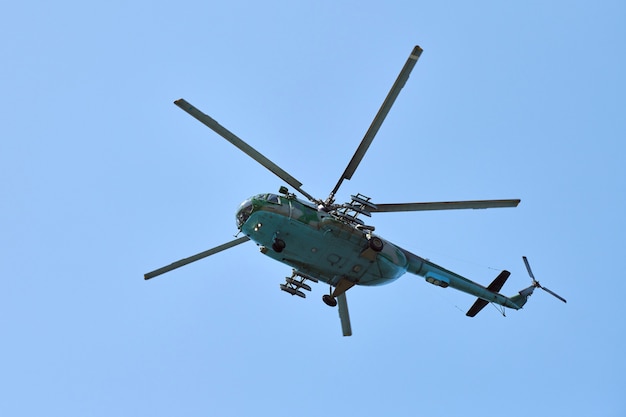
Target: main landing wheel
[376, 244]
[329, 300]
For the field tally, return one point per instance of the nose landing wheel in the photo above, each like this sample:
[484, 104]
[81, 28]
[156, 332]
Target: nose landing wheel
[278, 245]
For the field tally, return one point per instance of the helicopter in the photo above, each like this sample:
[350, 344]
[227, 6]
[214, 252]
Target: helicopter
[322, 240]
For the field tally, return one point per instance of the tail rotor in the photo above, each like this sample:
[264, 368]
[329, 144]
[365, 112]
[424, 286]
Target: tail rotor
[536, 283]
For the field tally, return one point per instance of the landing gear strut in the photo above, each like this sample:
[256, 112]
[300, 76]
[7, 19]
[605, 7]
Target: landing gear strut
[329, 299]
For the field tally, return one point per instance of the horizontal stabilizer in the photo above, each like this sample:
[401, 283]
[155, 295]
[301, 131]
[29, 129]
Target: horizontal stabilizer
[497, 283]
[495, 286]
[476, 307]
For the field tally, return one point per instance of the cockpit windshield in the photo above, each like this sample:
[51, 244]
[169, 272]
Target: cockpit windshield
[273, 198]
[245, 210]
[247, 207]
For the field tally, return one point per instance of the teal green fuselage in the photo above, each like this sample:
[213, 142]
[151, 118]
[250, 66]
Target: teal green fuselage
[319, 245]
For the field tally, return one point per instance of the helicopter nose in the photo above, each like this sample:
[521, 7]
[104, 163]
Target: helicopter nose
[244, 212]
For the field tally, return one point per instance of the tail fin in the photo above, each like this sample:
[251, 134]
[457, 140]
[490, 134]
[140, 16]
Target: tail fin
[495, 286]
[522, 297]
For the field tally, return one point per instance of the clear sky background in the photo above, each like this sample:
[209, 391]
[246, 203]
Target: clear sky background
[102, 179]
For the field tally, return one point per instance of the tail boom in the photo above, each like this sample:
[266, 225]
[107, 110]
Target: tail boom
[438, 275]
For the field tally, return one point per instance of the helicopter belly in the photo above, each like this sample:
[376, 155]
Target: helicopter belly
[326, 250]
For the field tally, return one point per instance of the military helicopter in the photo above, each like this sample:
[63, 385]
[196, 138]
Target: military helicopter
[322, 240]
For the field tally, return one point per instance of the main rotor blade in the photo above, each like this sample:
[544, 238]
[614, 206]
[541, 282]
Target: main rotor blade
[196, 257]
[378, 119]
[530, 272]
[554, 294]
[243, 146]
[444, 205]
[344, 316]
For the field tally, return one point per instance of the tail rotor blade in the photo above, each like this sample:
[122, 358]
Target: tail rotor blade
[554, 294]
[530, 272]
[536, 283]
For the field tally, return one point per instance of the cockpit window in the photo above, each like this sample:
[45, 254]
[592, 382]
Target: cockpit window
[245, 210]
[273, 198]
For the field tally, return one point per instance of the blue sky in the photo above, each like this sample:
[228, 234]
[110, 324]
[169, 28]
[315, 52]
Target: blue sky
[104, 179]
